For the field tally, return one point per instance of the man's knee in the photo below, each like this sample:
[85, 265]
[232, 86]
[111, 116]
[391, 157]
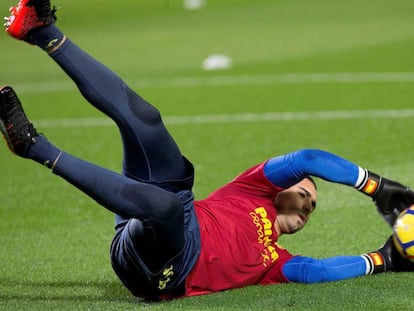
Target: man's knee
[136, 229]
[142, 110]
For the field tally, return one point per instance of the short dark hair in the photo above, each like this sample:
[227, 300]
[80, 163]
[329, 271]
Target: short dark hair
[312, 181]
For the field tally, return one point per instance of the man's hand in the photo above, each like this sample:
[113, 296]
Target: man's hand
[390, 197]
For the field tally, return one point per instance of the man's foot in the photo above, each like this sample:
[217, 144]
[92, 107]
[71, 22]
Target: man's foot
[28, 15]
[393, 259]
[17, 131]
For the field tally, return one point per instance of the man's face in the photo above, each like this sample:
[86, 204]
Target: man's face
[294, 206]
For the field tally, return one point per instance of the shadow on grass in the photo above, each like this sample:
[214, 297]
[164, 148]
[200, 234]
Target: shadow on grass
[94, 291]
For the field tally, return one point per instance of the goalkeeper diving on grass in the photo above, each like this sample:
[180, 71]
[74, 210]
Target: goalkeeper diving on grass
[166, 243]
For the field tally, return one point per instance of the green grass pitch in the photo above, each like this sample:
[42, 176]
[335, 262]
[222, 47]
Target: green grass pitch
[336, 75]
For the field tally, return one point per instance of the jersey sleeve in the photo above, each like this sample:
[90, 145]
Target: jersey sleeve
[287, 170]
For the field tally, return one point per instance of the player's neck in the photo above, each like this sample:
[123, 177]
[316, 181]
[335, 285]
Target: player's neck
[277, 228]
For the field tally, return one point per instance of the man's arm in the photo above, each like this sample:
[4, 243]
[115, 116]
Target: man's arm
[287, 170]
[311, 270]
[389, 196]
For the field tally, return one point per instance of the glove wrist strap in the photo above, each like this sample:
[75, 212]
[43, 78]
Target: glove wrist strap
[370, 184]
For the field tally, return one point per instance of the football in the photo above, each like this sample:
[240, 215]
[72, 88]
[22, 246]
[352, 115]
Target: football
[403, 235]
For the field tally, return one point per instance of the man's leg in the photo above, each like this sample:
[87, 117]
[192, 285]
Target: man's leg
[159, 212]
[150, 153]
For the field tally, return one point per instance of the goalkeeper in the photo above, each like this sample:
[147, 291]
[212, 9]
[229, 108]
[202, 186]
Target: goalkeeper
[166, 243]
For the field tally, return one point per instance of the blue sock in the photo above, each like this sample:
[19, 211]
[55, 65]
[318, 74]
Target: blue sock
[43, 152]
[48, 37]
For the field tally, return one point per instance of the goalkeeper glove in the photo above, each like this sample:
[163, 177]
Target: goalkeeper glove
[393, 259]
[390, 197]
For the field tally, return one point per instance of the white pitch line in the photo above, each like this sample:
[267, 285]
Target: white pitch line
[194, 81]
[306, 78]
[239, 118]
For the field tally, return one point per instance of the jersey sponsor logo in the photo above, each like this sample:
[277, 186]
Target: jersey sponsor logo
[264, 235]
[167, 273]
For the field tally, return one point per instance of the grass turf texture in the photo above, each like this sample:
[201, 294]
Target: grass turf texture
[54, 240]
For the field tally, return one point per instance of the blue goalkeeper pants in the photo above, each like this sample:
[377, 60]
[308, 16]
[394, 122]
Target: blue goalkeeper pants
[157, 237]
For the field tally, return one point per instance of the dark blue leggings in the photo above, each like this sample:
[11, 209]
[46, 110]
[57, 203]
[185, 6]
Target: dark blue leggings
[150, 153]
[153, 167]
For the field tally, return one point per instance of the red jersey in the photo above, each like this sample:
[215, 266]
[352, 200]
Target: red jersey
[243, 252]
